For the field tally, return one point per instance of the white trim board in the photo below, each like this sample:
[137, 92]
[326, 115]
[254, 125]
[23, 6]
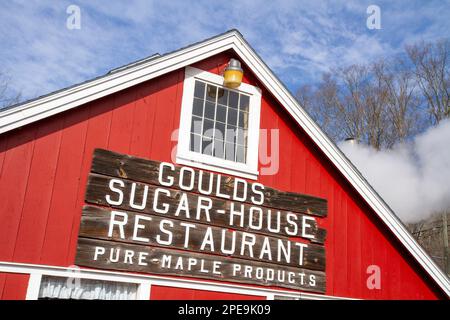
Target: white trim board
[86, 92]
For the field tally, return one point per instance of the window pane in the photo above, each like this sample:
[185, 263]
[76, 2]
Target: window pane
[208, 128]
[242, 137]
[199, 90]
[229, 151]
[196, 125]
[197, 108]
[211, 93]
[233, 99]
[231, 134]
[207, 146]
[243, 119]
[244, 102]
[218, 148]
[240, 153]
[219, 133]
[232, 116]
[196, 141]
[209, 110]
[221, 113]
[222, 96]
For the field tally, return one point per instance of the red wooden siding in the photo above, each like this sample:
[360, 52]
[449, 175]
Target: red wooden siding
[44, 168]
[13, 286]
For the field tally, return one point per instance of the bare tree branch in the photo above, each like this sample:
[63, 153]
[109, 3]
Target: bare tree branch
[384, 102]
[431, 68]
[6, 97]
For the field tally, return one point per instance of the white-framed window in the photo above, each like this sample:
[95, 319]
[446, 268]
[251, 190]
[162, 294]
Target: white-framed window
[219, 127]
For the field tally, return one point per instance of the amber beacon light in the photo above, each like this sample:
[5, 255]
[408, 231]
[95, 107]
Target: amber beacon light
[232, 76]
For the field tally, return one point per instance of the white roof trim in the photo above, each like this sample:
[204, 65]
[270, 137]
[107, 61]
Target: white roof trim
[86, 92]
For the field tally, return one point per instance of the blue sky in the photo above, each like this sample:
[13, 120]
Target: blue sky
[298, 39]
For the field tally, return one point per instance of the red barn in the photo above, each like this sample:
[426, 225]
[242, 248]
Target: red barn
[160, 181]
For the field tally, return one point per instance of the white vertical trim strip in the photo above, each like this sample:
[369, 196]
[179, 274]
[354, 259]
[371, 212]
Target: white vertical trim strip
[144, 290]
[34, 284]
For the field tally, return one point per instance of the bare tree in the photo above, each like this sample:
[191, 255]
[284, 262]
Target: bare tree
[355, 101]
[431, 68]
[6, 97]
[321, 103]
[402, 104]
[384, 102]
[335, 103]
[350, 101]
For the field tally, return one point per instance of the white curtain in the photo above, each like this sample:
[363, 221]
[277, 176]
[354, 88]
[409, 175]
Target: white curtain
[86, 289]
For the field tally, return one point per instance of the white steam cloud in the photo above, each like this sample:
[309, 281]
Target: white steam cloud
[413, 178]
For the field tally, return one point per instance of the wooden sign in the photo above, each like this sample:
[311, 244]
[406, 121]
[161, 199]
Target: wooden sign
[155, 217]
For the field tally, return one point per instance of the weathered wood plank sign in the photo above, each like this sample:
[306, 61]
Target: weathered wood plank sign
[155, 217]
